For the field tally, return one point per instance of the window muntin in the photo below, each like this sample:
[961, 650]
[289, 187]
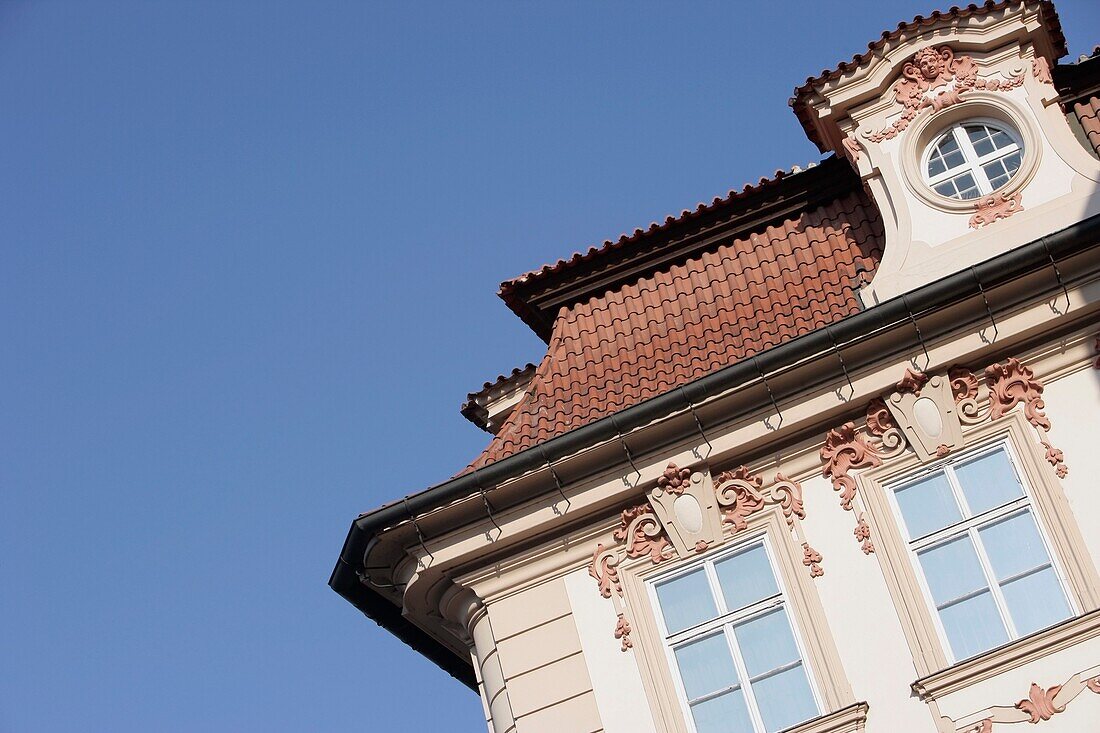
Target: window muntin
[984, 563]
[971, 159]
[730, 640]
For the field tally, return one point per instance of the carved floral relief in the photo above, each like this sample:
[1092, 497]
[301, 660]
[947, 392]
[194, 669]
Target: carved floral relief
[845, 449]
[811, 558]
[995, 207]
[1041, 704]
[935, 79]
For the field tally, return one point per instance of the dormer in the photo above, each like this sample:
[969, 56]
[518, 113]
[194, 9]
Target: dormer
[953, 123]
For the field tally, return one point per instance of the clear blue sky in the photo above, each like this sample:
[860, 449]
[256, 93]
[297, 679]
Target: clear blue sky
[249, 261]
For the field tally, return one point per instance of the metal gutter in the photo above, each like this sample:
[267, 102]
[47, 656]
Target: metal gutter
[972, 282]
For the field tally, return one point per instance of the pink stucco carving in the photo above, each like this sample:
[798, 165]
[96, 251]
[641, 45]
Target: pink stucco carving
[739, 494]
[622, 632]
[997, 206]
[604, 568]
[863, 535]
[789, 495]
[913, 380]
[844, 450]
[1040, 69]
[1011, 384]
[1039, 704]
[811, 558]
[674, 480]
[934, 79]
[964, 385]
[643, 534]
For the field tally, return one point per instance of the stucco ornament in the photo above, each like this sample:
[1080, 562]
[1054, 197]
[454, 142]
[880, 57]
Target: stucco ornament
[844, 450]
[604, 568]
[935, 78]
[622, 632]
[643, 534]
[739, 495]
[995, 207]
[685, 503]
[1041, 704]
[811, 558]
[928, 416]
[1012, 384]
[964, 389]
[1040, 69]
[863, 535]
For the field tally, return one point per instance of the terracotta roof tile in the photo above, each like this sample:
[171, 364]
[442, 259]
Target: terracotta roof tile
[680, 323]
[1088, 113]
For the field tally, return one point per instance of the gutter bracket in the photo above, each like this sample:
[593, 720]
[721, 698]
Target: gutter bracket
[488, 509]
[771, 396]
[843, 367]
[419, 534]
[1057, 274]
[557, 480]
[698, 424]
[920, 336]
[626, 448]
[988, 310]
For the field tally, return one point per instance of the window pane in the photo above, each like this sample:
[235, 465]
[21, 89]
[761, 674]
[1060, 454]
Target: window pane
[706, 665]
[952, 570]
[936, 166]
[785, 699]
[1036, 601]
[973, 626]
[928, 505]
[766, 642]
[968, 189]
[1013, 545]
[724, 714]
[686, 601]
[988, 481]
[746, 577]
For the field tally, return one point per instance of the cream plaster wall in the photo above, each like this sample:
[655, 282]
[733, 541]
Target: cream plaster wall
[616, 682]
[1073, 405]
[862, 617]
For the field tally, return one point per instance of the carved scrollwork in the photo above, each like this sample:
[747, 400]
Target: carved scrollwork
[1040, 704]
[739, 494]
[844, 450]
[964, 388]
[995, 207]
[881, 424]
[643, 534]
[913, 381]
[788, 494]
[935, 79]
[604, 568]
[1011, 384]
[1040, 69]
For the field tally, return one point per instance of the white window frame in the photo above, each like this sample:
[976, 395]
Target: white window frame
[969, 526]
[972, 162]
[724, 622]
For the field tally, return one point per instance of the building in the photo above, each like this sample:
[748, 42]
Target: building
[818, 456]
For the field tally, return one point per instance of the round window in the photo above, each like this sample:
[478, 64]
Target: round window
[971, 159]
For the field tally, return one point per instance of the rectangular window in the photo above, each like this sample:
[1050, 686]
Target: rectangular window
[730, 639]
[986, 567]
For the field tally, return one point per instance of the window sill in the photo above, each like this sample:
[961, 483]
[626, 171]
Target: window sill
[845, 720]
[1009, 656]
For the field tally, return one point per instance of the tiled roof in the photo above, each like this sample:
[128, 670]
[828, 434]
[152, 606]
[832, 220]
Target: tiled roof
[798, 101]
[1088, 112]
[667, 328]
[474, 411]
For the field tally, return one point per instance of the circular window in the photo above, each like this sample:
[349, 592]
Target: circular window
[971, 159]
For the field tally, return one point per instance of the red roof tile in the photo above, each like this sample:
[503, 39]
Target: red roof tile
[1088, 112]
[679, 323]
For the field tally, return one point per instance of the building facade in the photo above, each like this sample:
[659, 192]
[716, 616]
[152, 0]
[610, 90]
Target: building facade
[820, 455]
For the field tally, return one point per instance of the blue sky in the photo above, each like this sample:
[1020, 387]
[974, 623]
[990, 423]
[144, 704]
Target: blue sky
[249, 263]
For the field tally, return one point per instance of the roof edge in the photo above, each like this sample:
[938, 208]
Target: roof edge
[1040, 253]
